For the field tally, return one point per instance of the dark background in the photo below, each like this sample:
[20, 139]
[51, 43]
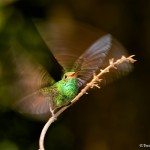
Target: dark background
[113, 118]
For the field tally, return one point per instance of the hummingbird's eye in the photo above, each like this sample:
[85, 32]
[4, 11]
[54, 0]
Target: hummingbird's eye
[65, 76]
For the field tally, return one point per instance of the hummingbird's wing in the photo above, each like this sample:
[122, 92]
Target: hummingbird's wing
[116, 51]
[92, 59]
[40, 104]
[30, 76]
[97, 56]
[67, 39]
[35, 105]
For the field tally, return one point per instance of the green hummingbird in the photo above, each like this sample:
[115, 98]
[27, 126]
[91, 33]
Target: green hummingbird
[61, 93]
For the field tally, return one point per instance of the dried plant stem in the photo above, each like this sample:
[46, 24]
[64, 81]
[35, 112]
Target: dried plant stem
[46, 126]
[93, 83]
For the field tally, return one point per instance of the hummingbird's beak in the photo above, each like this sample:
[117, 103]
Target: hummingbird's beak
[75, 74]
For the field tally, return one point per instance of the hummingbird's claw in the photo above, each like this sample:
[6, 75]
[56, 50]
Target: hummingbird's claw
[52, 111]
[53, 114]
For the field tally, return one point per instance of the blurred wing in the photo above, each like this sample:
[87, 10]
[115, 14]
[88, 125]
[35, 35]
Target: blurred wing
[67, 39]
[92, 59]
[62, 50]
[117, 50]
[29, 75]
[34, 105]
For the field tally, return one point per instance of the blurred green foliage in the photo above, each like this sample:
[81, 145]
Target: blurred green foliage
[7, 145]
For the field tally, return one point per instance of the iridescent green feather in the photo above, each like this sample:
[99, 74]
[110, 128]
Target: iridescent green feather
[62, 92]
[67, 90]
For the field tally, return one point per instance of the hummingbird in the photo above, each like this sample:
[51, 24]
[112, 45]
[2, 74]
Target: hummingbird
[60, 93]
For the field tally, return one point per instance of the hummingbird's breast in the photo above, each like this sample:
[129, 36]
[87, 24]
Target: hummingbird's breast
[67, 91]
[70, 89]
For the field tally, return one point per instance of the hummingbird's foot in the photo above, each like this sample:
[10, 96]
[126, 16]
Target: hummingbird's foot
[52, 111]
[53, 114]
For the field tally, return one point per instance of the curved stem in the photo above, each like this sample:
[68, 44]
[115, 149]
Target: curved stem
[44, 130]
[47, 125]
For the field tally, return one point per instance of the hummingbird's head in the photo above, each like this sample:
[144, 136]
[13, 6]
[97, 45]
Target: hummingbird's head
[70, 75]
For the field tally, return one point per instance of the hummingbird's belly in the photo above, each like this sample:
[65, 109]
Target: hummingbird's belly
[66, 94]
